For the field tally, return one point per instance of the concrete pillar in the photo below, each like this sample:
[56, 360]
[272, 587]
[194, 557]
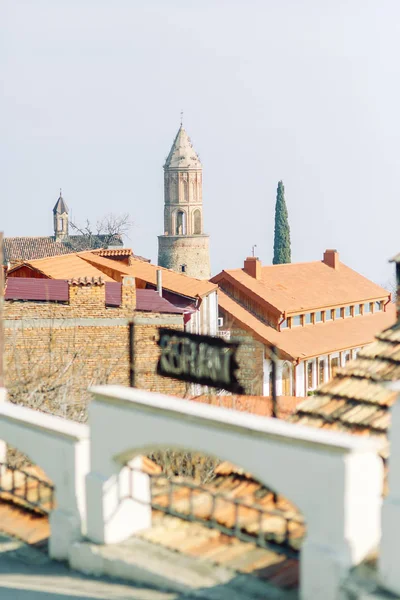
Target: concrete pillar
[389, 571]
[118, 505]
[345, 530]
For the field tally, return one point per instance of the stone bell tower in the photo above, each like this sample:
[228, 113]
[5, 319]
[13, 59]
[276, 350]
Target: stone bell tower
[60, 216]
[184, 246]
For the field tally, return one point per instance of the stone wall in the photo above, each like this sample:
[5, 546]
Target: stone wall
[192, 251]
[54, 351]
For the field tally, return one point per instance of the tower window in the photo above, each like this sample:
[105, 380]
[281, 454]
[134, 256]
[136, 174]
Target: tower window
[180, 228]
[183, 268]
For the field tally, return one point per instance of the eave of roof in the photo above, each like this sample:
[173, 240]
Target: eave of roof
[301, 343]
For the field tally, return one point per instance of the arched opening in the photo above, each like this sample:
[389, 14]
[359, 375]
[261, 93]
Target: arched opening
[197, 222]
[286, 380]
[180, 225]
[25, 488]
[207, 501]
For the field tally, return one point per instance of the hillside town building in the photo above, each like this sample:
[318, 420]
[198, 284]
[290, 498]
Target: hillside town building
[184, 247]
[197, 298]
[318, 315]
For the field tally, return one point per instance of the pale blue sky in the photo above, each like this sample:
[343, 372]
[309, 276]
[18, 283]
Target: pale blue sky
[301, 90]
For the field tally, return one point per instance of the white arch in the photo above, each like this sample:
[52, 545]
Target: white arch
[320, 472]
[61, 449]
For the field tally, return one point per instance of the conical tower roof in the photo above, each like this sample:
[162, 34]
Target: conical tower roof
[182, 154]
[60, 206]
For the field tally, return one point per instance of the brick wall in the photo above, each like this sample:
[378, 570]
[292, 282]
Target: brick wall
[53, 352]
[250, 357]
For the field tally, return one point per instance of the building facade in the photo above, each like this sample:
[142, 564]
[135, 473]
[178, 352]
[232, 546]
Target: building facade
[317, 315]
[184, 247]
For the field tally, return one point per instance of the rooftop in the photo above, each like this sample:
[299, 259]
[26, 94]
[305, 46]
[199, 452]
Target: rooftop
[182, 154]
[356, 400]
[299, 287]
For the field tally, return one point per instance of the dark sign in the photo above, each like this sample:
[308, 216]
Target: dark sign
[198, 359]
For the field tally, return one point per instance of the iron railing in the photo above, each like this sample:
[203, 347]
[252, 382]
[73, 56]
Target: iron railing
[286, 540]
[26, 487]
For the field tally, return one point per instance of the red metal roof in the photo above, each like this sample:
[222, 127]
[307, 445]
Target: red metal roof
[149, 300]
[113, 293]
[25, 288]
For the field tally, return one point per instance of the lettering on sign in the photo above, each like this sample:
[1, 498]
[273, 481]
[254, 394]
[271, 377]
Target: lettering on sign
[198, 359]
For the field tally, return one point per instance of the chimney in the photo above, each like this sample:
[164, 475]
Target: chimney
[252, 266]
[331, 258]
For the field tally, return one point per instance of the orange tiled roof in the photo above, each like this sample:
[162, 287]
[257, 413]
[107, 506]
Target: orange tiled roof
[299, 287]
[175, 282]
[312, 340]
[68, 266]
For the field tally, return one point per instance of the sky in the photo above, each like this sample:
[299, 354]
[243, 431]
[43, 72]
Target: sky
[304, 91]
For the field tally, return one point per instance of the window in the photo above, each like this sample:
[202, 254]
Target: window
[310, 378]
[347, 311]
[286, 383]
[328, 315]
[367, 308]
[183, 268]
[334, 366]
[318, 316]
[346, 357]
[338, 313]
[321, 372]
[284, 324]
[308, 318]
[378, 306]
[296, 321]
[357, 310]
[180, 228]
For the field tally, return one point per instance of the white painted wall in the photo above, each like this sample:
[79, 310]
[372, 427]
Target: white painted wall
[389, 554]
[300, 385]
[343, 525]
[213, 313]
[61, 448]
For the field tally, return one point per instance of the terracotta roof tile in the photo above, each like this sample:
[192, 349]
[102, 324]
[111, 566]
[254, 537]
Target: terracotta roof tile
[19, 249]
[362, 401]
[312, 340]
[69, 266]
[299, 287]
[175, 282]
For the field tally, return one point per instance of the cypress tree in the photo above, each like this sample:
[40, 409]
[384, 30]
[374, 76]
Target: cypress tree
[282, 229]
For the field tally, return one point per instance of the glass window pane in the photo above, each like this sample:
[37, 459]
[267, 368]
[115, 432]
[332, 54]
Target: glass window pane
[284, 324]
[357, 310]
[334, 366]
[321, 372]
[296, 321]
[328, 315]
[367, 308]
[338, 313]
[308, 318]
[318, 316]
[347, 312]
